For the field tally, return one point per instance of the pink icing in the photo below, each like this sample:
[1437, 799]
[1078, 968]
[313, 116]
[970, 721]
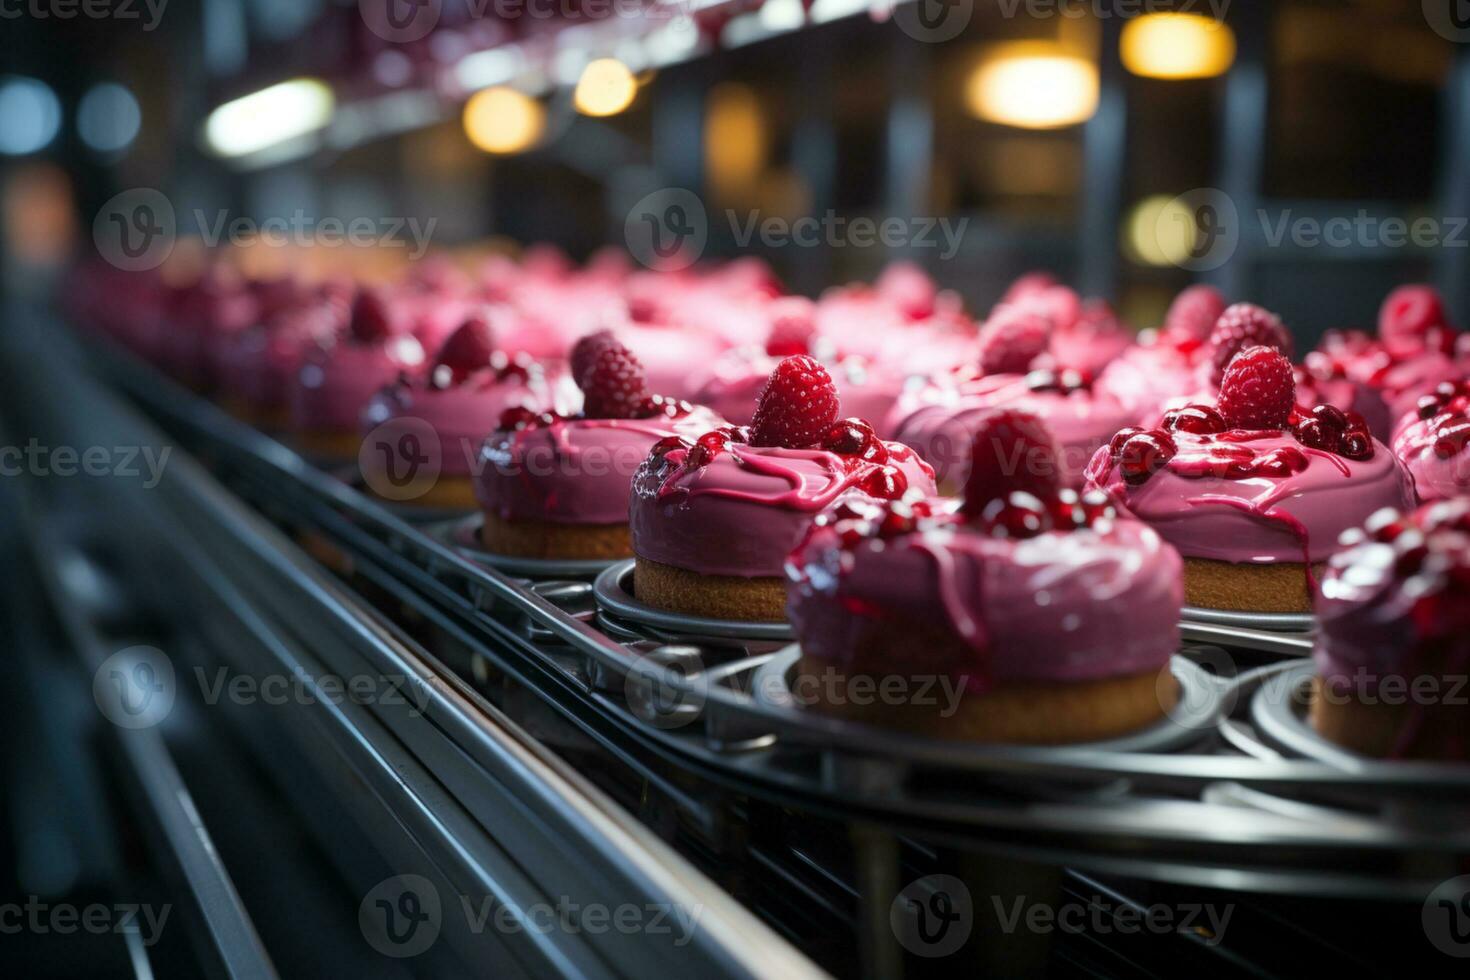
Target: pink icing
[1062, 606]
[742, 512]
[1144, 376]
[574, 471]
[1256, 518]
[337, 381]
[939, 421]
[464, 414]
[1438, 473]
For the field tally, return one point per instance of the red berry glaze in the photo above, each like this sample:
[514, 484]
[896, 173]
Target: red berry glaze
[1144, 454]
[1199, 419]
[854, 437]
[1242, 326]
[1258, 390]
[796, 407]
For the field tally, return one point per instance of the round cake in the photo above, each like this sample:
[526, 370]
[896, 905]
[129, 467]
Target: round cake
[1024, 613]
[462, 397]
[554, 486]
[714, 515]
[1393, 652]
[1251, 492]
[1432, 442]
[340, 376]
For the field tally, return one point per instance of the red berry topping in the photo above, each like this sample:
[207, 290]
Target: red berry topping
[371, 319]
[467, 350]
[1194, 312]
[519, 417]
[792, 326]
[1144, 454]
[1011, 339]
[1018, 515]
[1098, 506]
[1124, 434]
[1011, 451]
[854, 437]
[886, 483]
[672, 408]
[613, 385]
[796, 407]
[1065, 381]
[706, 448]
[585, 350]
[1356, 444]
[667, 445]
[1258, 390]
[1241, 326]
[1408, 315]
[1199, 419]
[1451, 439]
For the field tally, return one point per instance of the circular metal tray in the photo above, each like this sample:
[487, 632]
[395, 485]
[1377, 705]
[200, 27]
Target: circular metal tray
[1197, 713]
[463, 534]
[1276, 622]
[614, 591]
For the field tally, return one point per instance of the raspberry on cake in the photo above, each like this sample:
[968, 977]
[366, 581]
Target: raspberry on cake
[1251, 491]
[462, 395]
[1394, 647]
[338, 378]
[714, 515]
[1432, 443]
[1050, 617]
[556, 486]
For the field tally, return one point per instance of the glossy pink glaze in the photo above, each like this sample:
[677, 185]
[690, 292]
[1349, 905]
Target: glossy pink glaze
[1062, 606]
[336, 382]
[939, 420]
[574, 471]
[744, 511]
[463, 415]
[1436, 476]
[1257, 519]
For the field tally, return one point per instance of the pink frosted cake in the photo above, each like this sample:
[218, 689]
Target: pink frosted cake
[1166, 363]
[339, 377]
[256, 368]
[461, 397]
[1252, 493]
[1394, 647]
[714, 515]
[1432, 442]
[554, 486]
[939, 420]
[1045, 616]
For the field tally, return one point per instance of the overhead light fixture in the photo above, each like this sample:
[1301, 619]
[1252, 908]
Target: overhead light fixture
[1176, 46]
[272, 116]
[1159, 231]
[503, 120]
[1032, 86]
[606, 88]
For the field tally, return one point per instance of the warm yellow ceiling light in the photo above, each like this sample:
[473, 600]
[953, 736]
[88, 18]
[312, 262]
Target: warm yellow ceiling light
[1033, 87]
[503, 120]
[1177, 46]
[1160, 230]
[606, 88]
